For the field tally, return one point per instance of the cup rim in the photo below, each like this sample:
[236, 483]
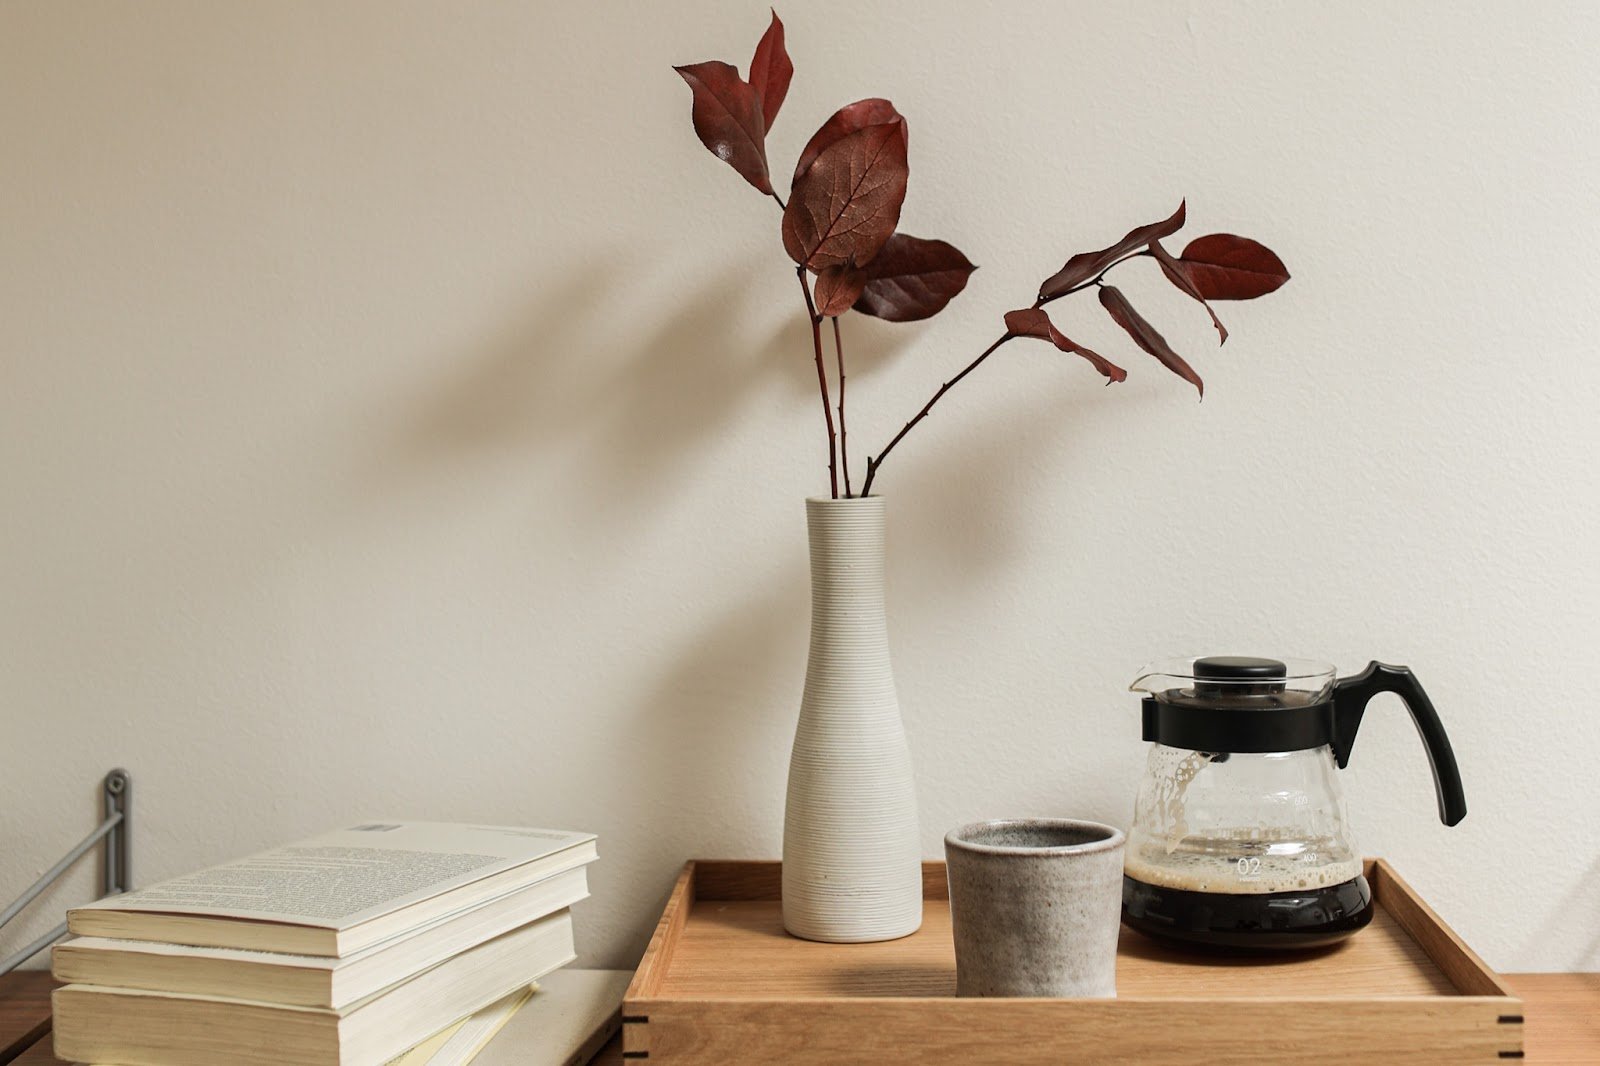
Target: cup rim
[1114, 838]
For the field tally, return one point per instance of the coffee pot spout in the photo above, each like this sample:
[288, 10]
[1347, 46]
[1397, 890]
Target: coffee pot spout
[1350, 698]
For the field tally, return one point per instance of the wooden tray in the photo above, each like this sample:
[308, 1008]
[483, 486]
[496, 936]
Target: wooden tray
[722, 983]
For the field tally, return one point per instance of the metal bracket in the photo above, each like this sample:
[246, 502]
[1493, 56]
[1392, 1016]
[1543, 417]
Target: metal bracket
[117, 789]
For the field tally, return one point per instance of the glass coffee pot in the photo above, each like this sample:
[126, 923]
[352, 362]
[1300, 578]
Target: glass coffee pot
[1240, 837]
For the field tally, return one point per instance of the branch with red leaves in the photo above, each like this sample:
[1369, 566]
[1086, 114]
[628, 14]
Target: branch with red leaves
[841, 225]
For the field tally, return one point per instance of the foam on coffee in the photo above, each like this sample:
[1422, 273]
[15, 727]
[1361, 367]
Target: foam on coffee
[1198, 872]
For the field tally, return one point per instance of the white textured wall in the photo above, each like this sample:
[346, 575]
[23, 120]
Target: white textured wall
[402, 412]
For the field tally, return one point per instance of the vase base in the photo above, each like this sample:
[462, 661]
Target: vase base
[823, 931]
[851, 937]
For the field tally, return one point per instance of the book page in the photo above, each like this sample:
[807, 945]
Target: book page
[476, 1031]
[343, 878]
[568, 1019]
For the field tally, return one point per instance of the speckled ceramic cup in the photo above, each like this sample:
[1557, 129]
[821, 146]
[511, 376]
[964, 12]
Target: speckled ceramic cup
[1035, 905]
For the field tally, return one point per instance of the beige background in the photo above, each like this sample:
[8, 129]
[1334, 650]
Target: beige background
[402, 414]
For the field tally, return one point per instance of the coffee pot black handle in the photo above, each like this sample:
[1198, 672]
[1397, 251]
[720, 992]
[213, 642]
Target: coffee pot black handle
[1350, 696]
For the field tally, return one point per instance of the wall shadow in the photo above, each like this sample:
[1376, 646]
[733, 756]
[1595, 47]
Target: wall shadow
[551, 378]
[993, 478]
[1578, 909]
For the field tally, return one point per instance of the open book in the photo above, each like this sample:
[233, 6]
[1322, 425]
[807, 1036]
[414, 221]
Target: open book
[339, 893]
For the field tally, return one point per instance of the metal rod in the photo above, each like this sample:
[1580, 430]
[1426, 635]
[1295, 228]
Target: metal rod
[59, 868]
[34, 948]
[116, 877]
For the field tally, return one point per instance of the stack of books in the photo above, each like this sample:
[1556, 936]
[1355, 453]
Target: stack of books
[385, 940]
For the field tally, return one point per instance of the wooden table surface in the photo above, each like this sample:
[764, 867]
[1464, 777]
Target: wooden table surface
[1563, 1026]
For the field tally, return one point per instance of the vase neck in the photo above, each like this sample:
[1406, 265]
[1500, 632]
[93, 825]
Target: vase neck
[846, 553]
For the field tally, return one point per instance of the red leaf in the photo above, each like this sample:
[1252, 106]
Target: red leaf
[1225, 267]
[770, 71]
[1085, 265]
[845, 206]
[1145, 335]
[727, 116]
[1033, 322]
[1175, 274]
[845, 121]
[912, 278]
[838, 287]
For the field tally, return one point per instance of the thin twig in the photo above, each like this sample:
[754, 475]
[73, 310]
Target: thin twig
[844, 448]
[822, 380]
[874, 464]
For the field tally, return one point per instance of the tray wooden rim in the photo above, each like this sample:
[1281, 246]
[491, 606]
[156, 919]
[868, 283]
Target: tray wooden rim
[1481, 999]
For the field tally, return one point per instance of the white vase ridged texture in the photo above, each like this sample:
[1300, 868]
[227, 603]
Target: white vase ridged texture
[852, 869]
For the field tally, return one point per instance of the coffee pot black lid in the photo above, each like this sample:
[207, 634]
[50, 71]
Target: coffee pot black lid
[1241, 703]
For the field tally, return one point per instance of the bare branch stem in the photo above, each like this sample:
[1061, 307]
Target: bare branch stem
[844, 448]
[822, 381]
[875, 463]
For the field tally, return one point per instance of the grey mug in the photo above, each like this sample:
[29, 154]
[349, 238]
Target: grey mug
[1035, 906]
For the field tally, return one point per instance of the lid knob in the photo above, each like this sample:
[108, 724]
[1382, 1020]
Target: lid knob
[1238, 675]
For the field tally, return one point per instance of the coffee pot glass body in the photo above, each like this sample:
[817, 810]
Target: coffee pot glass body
[1240, 836]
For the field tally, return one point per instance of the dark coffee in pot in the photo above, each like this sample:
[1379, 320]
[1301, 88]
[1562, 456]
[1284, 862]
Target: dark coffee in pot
[1299, 918]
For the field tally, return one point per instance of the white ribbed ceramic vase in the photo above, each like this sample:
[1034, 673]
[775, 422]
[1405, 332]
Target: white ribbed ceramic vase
[852, 869]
